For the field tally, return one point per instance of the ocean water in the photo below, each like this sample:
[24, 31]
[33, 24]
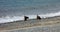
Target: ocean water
[13, 10]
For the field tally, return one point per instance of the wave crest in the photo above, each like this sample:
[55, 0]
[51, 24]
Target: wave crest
[15, 18]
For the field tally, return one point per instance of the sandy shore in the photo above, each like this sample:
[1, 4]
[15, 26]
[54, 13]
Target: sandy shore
[53, 21]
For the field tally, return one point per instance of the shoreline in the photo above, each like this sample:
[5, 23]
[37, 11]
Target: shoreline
[30, 27]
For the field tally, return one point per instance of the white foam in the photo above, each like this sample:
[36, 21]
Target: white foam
[10, 19]
[15, 18]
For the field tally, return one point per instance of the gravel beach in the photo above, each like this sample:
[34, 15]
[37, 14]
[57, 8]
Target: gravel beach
[44, 25]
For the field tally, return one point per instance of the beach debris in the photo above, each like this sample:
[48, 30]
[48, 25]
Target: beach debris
[38, 17]
[26, 18]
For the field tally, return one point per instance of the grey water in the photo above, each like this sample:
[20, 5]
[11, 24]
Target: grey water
[10, 9]
[28, 7]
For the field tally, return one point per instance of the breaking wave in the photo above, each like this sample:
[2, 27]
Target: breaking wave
[15, 18]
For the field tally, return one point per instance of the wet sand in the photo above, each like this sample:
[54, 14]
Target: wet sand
[26, 26]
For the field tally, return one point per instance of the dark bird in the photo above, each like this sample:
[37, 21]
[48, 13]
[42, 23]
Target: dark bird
[38, 17]
[26, 18]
